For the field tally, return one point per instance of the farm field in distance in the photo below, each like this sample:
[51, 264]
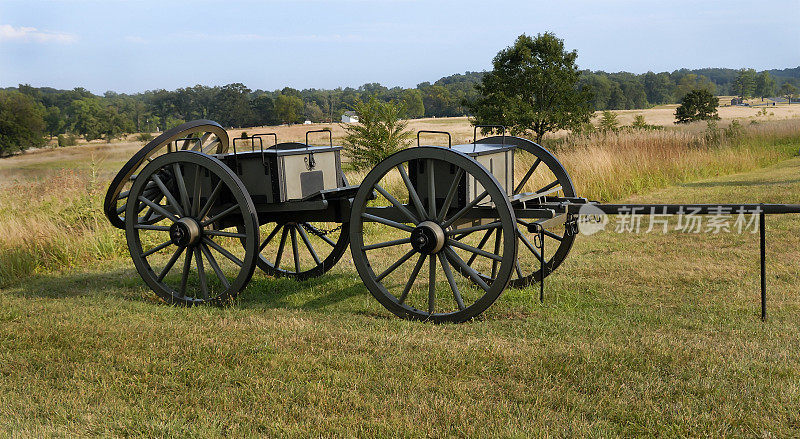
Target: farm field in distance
[640, 334]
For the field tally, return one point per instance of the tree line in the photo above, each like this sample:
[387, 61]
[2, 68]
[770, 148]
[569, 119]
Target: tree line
[55, 112]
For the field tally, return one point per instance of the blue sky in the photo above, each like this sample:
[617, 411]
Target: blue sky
[130, 46]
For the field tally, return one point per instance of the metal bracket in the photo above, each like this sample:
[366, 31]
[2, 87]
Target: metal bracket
[449, 139]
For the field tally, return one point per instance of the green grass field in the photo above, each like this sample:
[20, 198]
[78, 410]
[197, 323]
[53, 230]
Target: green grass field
[640, 334]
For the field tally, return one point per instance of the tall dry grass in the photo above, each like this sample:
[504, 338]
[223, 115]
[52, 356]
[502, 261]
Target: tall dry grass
[615, 165]
[54, 223]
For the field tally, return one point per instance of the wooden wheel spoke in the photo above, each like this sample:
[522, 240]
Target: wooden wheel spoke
[451, 194]
[187, 264]
[158, 208]
[483, 242]
[222, 251]
[547, 187]
[411, 280]
[412, 193]
[319, 234]
[280, 247]
[386, 244]
[397, 204]
[269, 237]
[123, 195]
[196, 191]
[170, 263]
[387, 222]
[210, 201]
[475, 250]
[432, 285]
[527, 176]
[394, 266]
[220, 215]
[304, 237]
[211, 146]
[455, 259]
[151, 227]
[156, 248]
[469, 230]
[182, 188]
[451, 280]
[213, 262]
[170, 198]
[464, 210]
[201, 272]
[497, 239]
[295, 249]
[528, 244]
[226, 234]
[431, 192]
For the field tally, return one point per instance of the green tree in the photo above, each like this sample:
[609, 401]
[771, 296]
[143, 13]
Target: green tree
[745, 83]
[54, 122]
[638, 122]
[264, 110]
[765, 85]
[412, 102]
[231, 106]
[312, 112]
[609, 122]
[89, 116]
[788, 91]
[532, 87]
[21, 122]
[690, 82]
[288, 108]
[697, 105]
[380, 132]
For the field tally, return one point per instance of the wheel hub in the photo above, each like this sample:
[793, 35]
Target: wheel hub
[184, 232]
[427, 238]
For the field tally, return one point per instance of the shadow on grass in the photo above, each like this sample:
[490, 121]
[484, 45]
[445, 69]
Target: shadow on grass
[710, 184]
[262, 293]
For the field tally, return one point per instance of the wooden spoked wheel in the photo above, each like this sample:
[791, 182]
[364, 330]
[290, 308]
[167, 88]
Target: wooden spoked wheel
[412, 241]
[200, 135]
[301, 250]
[200, 199]
[538, 171]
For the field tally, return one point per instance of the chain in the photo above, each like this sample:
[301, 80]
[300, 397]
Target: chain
[320, 232]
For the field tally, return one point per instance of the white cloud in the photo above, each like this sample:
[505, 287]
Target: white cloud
[22, 33]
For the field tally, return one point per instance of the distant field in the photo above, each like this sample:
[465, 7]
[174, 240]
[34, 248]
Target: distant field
[106, 158]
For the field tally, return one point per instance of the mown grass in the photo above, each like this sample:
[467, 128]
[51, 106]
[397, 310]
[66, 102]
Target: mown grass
[644, 334]
[639, 335]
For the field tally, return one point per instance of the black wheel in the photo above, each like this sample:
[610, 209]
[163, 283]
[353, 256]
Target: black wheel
[199, 135]
[538, 171]
[201, 198]
[424, 215]
[301, 250]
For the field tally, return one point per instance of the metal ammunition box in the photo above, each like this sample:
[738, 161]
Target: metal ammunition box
[294, 171]
[498, 159]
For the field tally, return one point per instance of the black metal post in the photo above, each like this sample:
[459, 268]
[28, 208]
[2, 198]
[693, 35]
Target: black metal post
[762, 232]
[541, 262]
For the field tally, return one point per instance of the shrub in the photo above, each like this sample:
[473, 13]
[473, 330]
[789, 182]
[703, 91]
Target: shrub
[697, 105]
[144, 137]
[639, 122]
[609, 122]
[735, 131]
[67, 139]
[713, 134]
[380, 132]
